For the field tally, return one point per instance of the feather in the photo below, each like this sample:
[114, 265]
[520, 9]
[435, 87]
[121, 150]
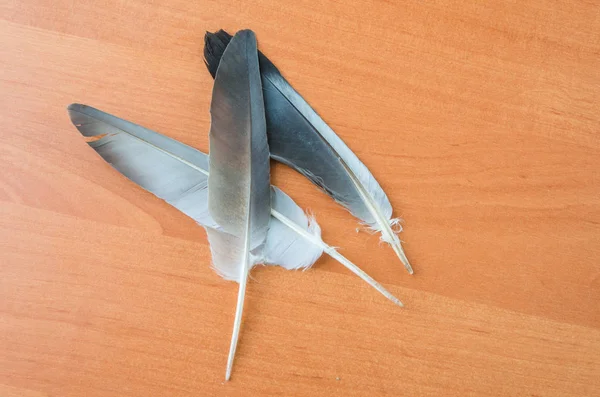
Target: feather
[239, 198]
[178, 174]
[299, 138]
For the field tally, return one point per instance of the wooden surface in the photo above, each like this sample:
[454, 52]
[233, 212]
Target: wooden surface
[480, 120]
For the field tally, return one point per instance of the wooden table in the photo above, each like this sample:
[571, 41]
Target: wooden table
[480, 120]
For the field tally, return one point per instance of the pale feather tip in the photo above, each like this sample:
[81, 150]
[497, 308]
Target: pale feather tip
[400, 252]
[398, 302]
[394, 241]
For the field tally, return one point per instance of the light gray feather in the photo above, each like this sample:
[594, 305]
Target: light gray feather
[147, 158]
[167, 168]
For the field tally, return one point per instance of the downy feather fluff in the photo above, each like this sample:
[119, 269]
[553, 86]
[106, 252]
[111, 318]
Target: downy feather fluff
[299, 138]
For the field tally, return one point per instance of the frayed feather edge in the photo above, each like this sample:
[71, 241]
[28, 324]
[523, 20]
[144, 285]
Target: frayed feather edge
[395, 225]
[254, 260]
[315, 229]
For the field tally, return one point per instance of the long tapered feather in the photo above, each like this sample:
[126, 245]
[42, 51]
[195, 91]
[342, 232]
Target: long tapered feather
[239, 197]
[299, 138]
[178, 174]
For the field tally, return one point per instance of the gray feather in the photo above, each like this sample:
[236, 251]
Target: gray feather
[239, 196]
[169, 169]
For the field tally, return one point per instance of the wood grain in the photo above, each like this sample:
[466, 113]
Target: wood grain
[480, 120]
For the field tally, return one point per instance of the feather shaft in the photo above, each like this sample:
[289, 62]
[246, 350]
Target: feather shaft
[237, 321]
[329, 250]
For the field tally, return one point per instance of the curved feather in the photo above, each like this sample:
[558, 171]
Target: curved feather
[299, 138]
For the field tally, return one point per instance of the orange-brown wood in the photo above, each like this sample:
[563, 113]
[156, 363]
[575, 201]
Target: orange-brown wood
[480, 119]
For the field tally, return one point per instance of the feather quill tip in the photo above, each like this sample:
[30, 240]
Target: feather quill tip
[402, 256]
[396, 301]
[392, 239]
[394, 242]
